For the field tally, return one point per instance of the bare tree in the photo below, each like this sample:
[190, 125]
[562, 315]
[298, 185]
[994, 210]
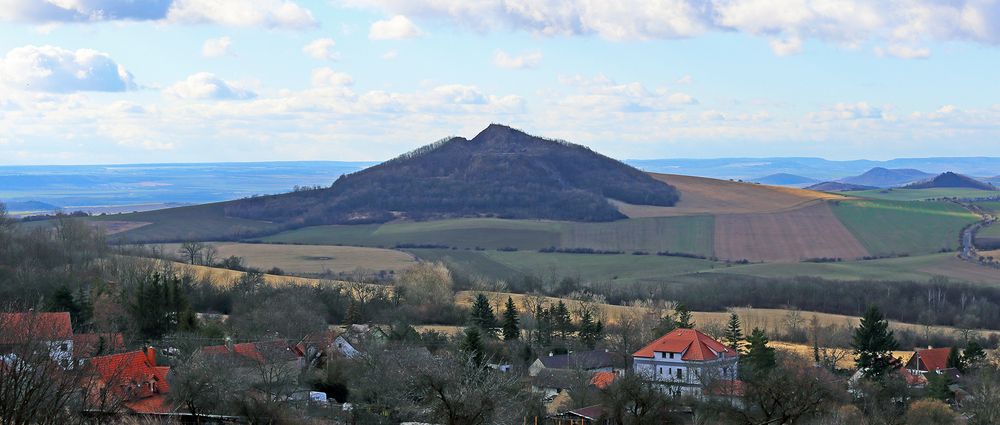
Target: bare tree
[209, 255]
[191, 250]
[201, 384]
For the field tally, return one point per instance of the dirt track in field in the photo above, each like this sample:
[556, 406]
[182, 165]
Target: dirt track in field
[700, 195]
[812, 231]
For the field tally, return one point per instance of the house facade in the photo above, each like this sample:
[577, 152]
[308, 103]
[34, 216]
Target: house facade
[52, 331]
[686, 361]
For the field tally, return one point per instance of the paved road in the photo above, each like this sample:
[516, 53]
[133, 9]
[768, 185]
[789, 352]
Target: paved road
[968, 237]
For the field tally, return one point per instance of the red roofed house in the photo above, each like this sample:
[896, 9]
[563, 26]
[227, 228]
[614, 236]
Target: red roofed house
[54, 330]
[928, 360]
[686, 361]
[132, 378]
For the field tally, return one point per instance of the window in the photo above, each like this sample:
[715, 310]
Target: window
[680, 373]
[671, 355]
[663, 355]
[661, 370]
[63, 347]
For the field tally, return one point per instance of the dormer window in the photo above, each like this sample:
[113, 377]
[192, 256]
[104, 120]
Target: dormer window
[663, 355]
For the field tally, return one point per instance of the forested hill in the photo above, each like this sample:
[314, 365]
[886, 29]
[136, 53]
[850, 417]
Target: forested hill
[502, 172]
[950, 179]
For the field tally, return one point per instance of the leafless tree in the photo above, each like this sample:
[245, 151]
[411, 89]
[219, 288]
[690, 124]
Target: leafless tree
[201, 384]
[984, 406]
[191, 250]
[209, 255]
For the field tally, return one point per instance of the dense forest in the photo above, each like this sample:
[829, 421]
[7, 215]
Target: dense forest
[501, 172]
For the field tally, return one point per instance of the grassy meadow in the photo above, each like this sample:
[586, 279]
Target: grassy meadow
[310, 259]
[197, 222]
[899, 227]
[895, 194]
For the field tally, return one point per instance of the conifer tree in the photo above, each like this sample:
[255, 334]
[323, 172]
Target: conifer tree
[667, 324]
[734, 332]
[955, 359]
[62, 301]
[873, 345]
[483, 317]
[760, 357]
[511, 330]
[543, 331]
[684, 317]
[353, 316]
[472, 345]
[591, 331]
[974, 355]
[562, 320]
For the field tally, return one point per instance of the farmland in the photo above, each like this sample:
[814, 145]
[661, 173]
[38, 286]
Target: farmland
[922, 194]
[312, 259]
[918, 268]
[896, 227]
[198, 222]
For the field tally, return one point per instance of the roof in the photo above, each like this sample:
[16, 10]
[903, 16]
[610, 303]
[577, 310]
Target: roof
[592, 413]
[95, 344]
[556, 378]
[19, 327]
[135, 377]
[912, 379]
[695, 345]
[580, 360]
[259, 352]
[932, 359]
[601, 380]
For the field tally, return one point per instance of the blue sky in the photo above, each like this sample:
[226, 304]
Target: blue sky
[105, 81]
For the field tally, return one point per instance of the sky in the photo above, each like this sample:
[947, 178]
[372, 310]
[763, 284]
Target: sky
[141, 81]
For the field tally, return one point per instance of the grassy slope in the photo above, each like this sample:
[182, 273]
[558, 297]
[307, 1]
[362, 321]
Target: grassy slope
[311, 258]
[201, 222]
[679, 234]
[921, 194]
[918, 268]
[589, 267]
[896, 227]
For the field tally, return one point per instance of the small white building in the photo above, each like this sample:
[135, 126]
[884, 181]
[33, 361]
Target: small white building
[54, 331]
[687, 362]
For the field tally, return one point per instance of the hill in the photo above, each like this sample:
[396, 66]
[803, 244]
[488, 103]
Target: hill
[838, 187]
[885, 177]
[785, 179]
[502, 172]
[950, 179]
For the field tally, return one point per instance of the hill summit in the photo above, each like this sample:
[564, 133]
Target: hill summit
[886, 177]
[502, 172]
[950, 179]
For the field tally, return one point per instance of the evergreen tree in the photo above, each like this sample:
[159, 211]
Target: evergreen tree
[734, 332]
[937, 387]
[62, 301]
[472, 345]
[591, 331]
[561, 319]
[667, 324]
[543, 332]
[955, 359]
[511, 331]
[483, 317]
[86, 308]
[684, 317]
[873, 345]
[974, 355]
[760, 357]
[353, 315]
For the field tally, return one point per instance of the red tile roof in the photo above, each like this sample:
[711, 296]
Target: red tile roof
[933, 359]
[601, 380]
[135, 378]
[260, 352]
[695, 345]
[19, 327]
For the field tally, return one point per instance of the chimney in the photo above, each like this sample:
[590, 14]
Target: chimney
[229, 344]
[550, 354]
[151, 355]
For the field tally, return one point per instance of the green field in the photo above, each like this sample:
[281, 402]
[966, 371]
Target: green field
[553, 266]
[920, 268]
[689, 234]
[991, 206]
[896, 227]
[198, 222]
[921, 194]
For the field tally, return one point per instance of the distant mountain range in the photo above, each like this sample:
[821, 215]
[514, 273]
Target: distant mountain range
[950, 179]
[785, 179]
[838, 187]
[884, 177]
[502, 172]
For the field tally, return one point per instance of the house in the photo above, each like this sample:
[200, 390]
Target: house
[686, 361]
[133, 379]
[553, 382]
[53, 331]
[248, 354]
[590, 361]
[590, 415]
[928, 360]
[352, 340]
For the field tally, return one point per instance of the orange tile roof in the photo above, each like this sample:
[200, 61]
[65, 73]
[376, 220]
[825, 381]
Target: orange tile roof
[601, 380]
[933, 359]
[135, 378]
[19, 327]
[260, 352]
[695, 345]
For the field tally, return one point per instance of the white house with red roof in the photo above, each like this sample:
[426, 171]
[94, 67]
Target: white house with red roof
[686, 361]
[52, 330]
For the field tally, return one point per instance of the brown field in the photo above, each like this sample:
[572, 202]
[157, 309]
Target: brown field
[226, 278]
[811, 231]
[963, 270]
[700, 195]
[313, 259]
[845, 363]
[113, 227]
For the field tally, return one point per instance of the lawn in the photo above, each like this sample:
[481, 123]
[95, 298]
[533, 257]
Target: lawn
[922, 194]
[899, 227]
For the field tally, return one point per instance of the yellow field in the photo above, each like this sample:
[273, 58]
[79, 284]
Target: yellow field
[847, 362]
[700, 195]
[312, 259]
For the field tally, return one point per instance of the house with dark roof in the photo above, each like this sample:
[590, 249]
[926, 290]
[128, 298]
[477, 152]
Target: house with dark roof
[248, 354]
[132, 379]
[590, 361]
[54, 331]
[590, 415]
[928, 360]
[686, 361]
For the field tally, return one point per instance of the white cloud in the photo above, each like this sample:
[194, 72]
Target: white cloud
[326, 77]
[785, 23]
[216, 47]
[396, 28]
[322, 49]
[903, 52]
[259, 13]
[685, 80]
[527, 60]
[54, 69]
[850, 111]
[390, 55]
[204, 86]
